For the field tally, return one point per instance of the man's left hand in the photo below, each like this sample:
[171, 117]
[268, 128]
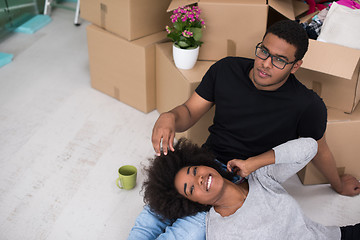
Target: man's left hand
[350, 185]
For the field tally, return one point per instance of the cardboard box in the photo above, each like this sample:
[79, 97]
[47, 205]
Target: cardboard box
[130, 19]
[343, 138]
[231, 28]
[332, 71]
[234, 27]
[122, 69]
[174, 86]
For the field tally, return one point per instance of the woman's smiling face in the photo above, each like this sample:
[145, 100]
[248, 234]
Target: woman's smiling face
[200, 184]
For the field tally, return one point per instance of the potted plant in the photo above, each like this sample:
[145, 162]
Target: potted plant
[186, 33]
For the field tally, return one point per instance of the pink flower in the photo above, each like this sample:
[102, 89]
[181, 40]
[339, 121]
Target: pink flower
[187, 34]
[184, 19]
[168, 29]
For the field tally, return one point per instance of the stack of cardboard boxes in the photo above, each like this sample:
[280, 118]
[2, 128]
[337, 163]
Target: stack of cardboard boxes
[233, 28]
[121, 43]
[332, 71]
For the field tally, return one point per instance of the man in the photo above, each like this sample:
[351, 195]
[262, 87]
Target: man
[259, 104]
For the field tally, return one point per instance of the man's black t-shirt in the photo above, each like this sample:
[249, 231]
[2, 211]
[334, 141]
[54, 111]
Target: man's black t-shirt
[249, 121]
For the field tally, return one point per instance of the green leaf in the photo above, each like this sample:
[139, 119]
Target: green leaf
[173, 35]
[179, 26]
[183, 44]
[182, 38]
[196, 24]
[197, 33]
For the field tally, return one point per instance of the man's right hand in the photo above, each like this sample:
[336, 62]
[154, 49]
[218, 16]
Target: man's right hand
[179, 119]
[164, 129]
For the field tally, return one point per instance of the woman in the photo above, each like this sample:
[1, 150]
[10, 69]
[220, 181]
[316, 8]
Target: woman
[187, 181]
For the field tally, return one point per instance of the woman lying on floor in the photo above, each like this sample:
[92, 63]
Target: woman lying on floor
[188, 181]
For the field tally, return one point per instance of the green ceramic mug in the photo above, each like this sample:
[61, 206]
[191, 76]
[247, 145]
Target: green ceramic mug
[127, 177]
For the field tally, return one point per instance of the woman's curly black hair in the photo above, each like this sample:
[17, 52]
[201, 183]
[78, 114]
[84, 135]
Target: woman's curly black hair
[159, 187]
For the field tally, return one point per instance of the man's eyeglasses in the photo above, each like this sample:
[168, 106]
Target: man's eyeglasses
[276, 61]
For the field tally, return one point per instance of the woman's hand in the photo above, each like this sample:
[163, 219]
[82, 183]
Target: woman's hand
[239, 167]
[244, 168]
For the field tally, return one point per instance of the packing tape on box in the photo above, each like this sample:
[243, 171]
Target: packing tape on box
[231, 48]
[117, 93]
[103, 8]
[316, 87]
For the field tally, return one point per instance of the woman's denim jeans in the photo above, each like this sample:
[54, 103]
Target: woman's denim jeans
[148, 226]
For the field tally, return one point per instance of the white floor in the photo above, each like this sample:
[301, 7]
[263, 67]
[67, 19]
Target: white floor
[61, 143]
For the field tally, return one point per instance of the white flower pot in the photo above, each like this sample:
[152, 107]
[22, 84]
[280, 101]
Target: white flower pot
[185, 58]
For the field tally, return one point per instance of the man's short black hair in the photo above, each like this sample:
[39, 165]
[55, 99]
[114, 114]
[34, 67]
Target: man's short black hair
[293, 33]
